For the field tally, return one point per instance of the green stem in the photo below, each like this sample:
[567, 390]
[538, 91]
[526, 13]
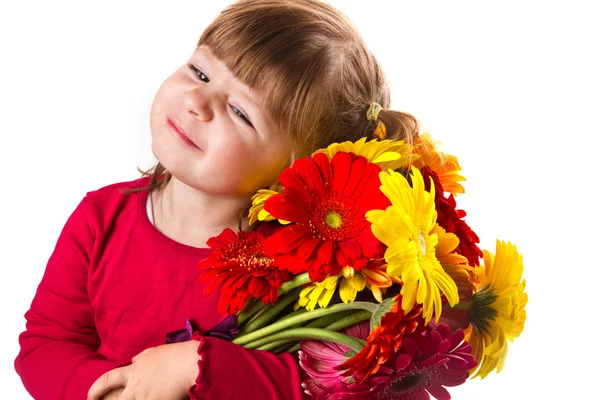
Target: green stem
[293, 348]
[275, 344]
[463, 305]
[298, 280]
[351, 319]
[254, 306]
[265, 308]
[272, 312]
[312, 333]
[307, 316]
[283, 348]
[299, 311]
[249, 310]
[329, 319]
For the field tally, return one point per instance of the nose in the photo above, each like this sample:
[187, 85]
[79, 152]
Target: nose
[198, 103]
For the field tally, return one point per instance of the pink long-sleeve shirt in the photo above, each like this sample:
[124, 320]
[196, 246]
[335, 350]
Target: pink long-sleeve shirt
[115, 286]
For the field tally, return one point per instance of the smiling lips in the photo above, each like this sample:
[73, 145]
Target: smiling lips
[180, 133]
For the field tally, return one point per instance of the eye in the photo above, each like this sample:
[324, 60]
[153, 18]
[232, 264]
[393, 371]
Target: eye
[204, 78]
[198, 73]
[241, 115]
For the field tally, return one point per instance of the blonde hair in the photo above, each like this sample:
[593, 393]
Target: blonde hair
[311, 63]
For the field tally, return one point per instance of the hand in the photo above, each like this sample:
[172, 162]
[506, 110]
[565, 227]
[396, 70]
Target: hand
[113, 394]
[164, 372]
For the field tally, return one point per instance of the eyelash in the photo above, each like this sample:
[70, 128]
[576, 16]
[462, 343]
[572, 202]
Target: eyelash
[199, 75]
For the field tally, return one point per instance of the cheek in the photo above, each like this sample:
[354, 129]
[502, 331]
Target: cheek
[161, 97]
[166, 96]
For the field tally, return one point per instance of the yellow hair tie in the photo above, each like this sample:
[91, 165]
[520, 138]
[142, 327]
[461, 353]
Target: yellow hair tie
[373, 111]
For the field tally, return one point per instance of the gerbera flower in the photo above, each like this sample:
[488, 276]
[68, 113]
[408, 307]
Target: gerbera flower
[451, 219]
[240, 263]
[326, 200]
[257, 211]
[374, 277]
[455, 265]
[422, 366]
[497, 309]
[444, 165]
[388, 154]
[378, 280]
[317, 293]
[318, 359]
[407, 228]
[383, 341]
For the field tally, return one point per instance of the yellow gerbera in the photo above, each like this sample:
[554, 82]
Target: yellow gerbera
[388, 154]
[257, 211]
[497, 309]
[317, 293]
[444, 165]
[373, 277]
[408, 228]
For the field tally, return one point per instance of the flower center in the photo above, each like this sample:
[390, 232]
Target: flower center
[408, 383]
[423, 244]
[249, 255]
[333, 219]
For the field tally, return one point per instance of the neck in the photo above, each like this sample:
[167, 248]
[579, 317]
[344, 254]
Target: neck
[191, 216]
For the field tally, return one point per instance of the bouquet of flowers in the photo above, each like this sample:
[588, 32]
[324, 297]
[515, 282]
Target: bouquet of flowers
[363, 265]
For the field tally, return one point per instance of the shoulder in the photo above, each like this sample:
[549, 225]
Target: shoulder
[116, 190]
[109, 202]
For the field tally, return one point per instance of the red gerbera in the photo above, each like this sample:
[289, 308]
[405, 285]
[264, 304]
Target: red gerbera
[243, 267]
[326, 200]
[451, 220]
[384, 341]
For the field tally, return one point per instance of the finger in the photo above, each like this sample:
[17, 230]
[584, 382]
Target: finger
[111, 380]
[112, 394]
[141, 354]
[127, 394]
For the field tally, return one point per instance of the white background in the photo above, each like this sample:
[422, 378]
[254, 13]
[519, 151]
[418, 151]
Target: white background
[510, 87]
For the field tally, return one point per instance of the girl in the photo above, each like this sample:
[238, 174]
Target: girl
[270, 81]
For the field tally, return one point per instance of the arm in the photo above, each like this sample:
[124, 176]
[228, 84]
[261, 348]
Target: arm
[58, 358]
[203, 368]
[229, 371]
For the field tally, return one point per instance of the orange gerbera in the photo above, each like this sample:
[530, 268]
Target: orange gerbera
[444, 165]
[383, 341]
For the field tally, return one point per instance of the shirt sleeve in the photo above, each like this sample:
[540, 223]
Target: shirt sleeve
[58, 358]
[228, 371]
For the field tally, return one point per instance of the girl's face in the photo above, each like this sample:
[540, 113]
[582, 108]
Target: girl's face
[209, 131]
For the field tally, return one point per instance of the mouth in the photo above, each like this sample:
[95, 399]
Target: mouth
[180, 133]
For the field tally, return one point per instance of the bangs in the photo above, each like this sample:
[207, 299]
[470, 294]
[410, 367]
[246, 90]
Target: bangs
[277, 48]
